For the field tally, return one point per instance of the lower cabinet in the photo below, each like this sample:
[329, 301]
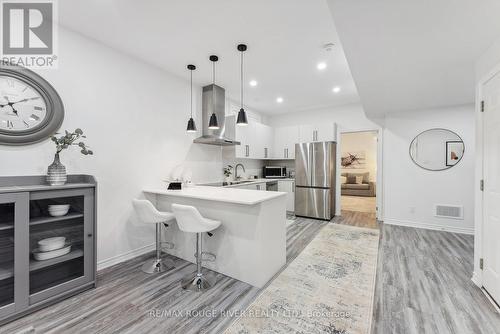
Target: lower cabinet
[258, 186]
[31, 275]
[288, 186]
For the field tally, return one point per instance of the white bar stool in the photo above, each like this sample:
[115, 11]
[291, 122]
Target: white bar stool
[190, 220]
[148, 214]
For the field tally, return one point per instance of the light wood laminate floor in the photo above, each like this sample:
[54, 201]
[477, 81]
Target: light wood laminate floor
[130, 301]
[423, 286]
[358, 203]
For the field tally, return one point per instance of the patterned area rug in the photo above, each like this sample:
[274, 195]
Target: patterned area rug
[328, 288]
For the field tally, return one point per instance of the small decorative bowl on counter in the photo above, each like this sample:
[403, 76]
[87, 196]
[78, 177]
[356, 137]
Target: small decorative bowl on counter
[59, 210]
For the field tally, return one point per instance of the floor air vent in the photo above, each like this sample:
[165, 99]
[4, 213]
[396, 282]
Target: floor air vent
[449, 211]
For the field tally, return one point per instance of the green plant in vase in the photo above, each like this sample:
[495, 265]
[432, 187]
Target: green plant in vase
[56, 173]
[228, 171]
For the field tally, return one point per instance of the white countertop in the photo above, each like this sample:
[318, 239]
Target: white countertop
[257, 181]
[220, 194]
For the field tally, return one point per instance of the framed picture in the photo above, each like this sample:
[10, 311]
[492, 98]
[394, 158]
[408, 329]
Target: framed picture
[353, 160]
[454, 152]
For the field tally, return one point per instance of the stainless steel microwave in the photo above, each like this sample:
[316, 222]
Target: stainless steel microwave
[273, 172]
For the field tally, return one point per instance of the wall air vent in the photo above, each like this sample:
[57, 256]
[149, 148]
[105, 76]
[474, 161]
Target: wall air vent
[449, 211]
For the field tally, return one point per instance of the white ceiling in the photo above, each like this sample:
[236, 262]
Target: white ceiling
[408, 55]
[284, 38]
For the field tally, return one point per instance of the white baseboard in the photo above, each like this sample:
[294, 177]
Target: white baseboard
[476, 280]
[427, 226]
[125, 256]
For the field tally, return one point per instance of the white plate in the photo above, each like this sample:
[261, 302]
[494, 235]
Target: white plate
[50, 244]
[40, 256]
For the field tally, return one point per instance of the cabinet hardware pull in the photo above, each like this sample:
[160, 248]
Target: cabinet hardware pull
[89, 235]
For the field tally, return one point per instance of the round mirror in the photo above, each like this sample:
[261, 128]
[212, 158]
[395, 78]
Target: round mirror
[437, 149]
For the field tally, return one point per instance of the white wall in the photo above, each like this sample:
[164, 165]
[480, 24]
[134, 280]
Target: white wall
[365, 141]
[411, 192]
[134, 116]
[348, 117]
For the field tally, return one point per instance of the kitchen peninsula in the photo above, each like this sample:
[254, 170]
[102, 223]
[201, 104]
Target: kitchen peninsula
[250, 245]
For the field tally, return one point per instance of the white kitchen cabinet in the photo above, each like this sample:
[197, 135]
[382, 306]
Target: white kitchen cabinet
[246, 135]
[317, 132]
[285, 139]
[256, 141]
[254, 186]
[265, 137]
[288, 186]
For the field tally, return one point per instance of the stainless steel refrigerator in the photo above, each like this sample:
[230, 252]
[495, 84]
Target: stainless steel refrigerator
[315, 180]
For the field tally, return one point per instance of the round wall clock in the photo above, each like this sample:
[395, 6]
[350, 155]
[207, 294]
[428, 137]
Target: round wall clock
[30, 108]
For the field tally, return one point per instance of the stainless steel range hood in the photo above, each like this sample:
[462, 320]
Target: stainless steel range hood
[224, 136]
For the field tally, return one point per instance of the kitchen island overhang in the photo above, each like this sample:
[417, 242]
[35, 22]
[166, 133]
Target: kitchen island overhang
[250, 244]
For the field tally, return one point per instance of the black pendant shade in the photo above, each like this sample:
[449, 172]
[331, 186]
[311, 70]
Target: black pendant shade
[191, 127]
[213, 124]
[242, 115]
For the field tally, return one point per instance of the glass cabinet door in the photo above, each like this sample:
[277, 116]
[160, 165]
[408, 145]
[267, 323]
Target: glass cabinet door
[13, 218]
[60, 241]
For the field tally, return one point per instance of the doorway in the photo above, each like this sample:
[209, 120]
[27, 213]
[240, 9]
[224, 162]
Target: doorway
[491, 187]
[358, 177]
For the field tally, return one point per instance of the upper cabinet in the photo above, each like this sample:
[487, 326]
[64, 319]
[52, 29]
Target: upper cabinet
[256, 141]
[246, 136]
[259, 141]
[264, 137]
[317, 132]
[285, 139]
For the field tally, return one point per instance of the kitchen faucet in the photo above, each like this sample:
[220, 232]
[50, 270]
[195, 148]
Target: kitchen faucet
[236, 171]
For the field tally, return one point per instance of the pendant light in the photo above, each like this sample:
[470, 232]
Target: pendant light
[191, 127]
[242, 115]
[213, 124]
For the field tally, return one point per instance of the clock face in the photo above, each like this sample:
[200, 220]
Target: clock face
[22, 108]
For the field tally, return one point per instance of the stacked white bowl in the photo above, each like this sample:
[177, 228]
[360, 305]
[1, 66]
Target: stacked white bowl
[58, 210]
[50, 248]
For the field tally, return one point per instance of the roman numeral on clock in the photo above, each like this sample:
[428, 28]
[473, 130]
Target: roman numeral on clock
[9, 124]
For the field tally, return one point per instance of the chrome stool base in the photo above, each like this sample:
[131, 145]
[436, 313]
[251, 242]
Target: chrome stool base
[199, 282]
[157, 266]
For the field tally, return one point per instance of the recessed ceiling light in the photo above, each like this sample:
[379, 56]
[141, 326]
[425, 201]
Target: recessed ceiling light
[279, 99]
[253, 83]
[321, 66]
[336, 89]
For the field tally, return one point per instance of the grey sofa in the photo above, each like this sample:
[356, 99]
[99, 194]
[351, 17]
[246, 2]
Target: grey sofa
[367, 188]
